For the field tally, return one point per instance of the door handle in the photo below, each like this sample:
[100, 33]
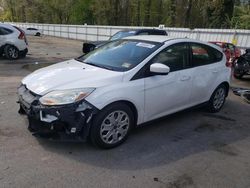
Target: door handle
[185, 78]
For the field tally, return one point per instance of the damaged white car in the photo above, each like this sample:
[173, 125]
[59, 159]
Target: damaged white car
[123, 84]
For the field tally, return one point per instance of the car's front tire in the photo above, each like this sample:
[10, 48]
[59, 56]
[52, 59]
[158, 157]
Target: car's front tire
[112, 126]
[217, 99]
[11, 52]
[38, 34]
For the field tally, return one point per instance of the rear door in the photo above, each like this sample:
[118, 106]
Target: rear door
[1, 38]
[165, 94]
[207, 67]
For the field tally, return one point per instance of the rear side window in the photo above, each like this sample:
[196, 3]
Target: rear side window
[5, 31]
[204, 55]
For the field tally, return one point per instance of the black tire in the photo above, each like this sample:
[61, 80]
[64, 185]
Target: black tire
[38, 34]
[23, 55]
[97, 126]
[11, 52]
[213, 106]
[238, 74]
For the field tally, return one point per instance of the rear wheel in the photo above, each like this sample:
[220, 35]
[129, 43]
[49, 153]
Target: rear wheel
[11, 52]
[38, 34]
[217, 99]
[112, 126]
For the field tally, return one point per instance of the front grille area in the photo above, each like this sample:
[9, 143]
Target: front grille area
[26, 97]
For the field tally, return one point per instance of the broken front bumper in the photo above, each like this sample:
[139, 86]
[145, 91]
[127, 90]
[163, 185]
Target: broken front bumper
[72, 120]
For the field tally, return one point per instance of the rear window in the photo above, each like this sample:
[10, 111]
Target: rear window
[5, 31]
[159, 32]
[122, 34]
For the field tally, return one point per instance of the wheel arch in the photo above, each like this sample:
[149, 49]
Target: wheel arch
[130, 105]
[226, 84]
[10, 44]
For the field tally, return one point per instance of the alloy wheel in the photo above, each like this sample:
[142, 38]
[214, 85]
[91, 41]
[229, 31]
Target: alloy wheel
[13, 52]
[114, 127]
[219, 98]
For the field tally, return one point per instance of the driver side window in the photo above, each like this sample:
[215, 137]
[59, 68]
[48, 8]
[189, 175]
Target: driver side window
[174, 56]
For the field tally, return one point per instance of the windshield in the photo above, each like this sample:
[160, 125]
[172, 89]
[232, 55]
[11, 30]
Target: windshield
[122, 34]
[121, 55]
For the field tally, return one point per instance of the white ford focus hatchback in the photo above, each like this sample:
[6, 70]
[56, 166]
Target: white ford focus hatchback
[123, 84]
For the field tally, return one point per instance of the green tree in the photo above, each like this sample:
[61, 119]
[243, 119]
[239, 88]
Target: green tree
[172, 13]
[222, 12]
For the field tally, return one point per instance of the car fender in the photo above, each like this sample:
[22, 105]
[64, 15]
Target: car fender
[132, 92]
[10, 44]
[224, 78]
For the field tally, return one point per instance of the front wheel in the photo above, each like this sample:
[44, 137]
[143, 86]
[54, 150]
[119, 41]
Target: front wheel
[217, 99]
[112, 126]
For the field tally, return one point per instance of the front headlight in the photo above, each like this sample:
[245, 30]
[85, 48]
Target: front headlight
[62, 97]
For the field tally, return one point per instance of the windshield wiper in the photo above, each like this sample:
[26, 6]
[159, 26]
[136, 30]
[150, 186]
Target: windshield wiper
[93, 64]
[79, 59]
[97, 65]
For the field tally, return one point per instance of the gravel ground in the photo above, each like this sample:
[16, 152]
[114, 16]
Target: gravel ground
[188, 149]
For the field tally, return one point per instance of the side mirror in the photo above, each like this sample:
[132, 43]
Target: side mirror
[159, 69]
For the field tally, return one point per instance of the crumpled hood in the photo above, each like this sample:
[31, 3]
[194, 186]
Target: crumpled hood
[70, 74]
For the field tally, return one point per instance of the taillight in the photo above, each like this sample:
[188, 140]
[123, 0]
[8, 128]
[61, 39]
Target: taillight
[22, 34]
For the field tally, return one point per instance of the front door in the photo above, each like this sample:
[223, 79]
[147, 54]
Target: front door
[165, 94]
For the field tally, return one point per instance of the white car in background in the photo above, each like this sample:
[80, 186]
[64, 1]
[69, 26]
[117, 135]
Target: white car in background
[33, 31]
[13, 42]
[123, 84]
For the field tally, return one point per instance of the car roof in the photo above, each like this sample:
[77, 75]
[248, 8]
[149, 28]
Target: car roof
[163, 39]
[151, 38]
[6, 25]
[144, 29]
[219, 42]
